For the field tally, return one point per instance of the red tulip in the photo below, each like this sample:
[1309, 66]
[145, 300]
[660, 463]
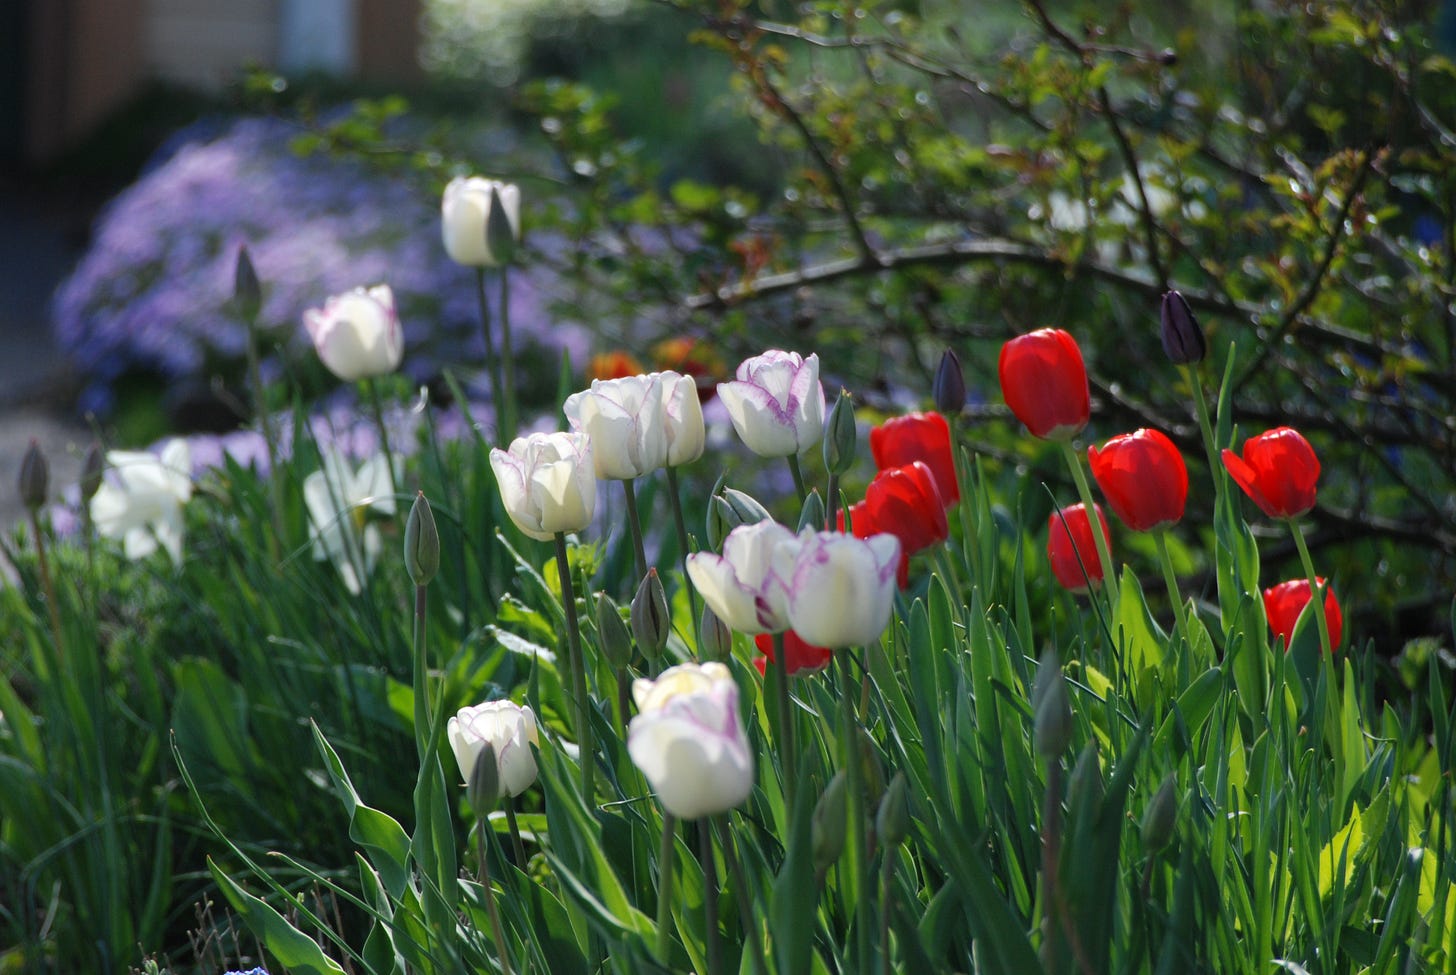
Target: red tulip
[1283, 604]
[1067, 541]
[1278, 470]
[799, 657]
[1143, 478]
[864, 524]
[905, 502]
[1045, 383]
[918, 436]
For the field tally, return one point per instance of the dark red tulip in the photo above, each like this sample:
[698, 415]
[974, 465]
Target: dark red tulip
[1143, 478]
[799, 656]
[905, 502]
[1044, 382]
[1278, 471]
[1283, 604]
[919, 436]
[1072, 549]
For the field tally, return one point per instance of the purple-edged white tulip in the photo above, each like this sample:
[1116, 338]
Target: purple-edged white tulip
[547, 483]
[683, 418]
[740, 585]
[510, 728]
[357, 334]
[840, 588]
[688, 678]
[694, 752]
[776, 403]
[626, 422]
[465, 212]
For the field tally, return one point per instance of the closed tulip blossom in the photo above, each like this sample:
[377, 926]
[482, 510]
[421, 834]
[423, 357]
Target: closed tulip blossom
[1278, 470]
[905, 502]
[776, 403]
[338, 497]
[141, 504]
[918, 436]
[840, 588]
[547, 483]
[1283, 604]
[465, 220]
[1072, 550]
[800, 657]
[357, 334]
[742, 586]
[688, 678]
[1044, 382]
[1143, 478]
[510, 728]
[693, 751]
[626, 422]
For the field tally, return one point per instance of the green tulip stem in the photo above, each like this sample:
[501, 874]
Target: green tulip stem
[47, 585]
[710, 895]
[1205, 424]
[498, 933]
[1171, 581]
[578, 670]
[264, 417]
[665, 857]
[745, 897]
[634, 523]
[421, 676]
[858, 813]
[681, 525]
[517, 847]
[492, 364]
[1316, 591]
[786, 743]
[798, 473]
[887, 881]
[506, 404]
[376, 412]
[624, 699]
[1084, 491]
[831, 503]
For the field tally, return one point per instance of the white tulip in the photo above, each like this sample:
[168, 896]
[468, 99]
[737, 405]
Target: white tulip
[840, 589]
[357, 334]
[510, 728]
[686, 678]
[547, 483]
[627, 424]
[777, 403]
[741, 585]
[338, 499]
[684, 418]
[465, 212]
[693, 751]
[142, 503]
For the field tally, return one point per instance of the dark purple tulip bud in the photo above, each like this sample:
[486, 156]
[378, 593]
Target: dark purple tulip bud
[35, 477]
[247, 292]
[92, 469]
[949, 387]
[1182, 338]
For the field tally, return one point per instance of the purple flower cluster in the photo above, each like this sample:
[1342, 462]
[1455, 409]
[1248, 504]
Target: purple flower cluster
[152, 292]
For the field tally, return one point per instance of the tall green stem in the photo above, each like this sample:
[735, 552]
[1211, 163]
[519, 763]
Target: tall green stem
[270, 440]
[47, 586]
[507, 404]
[578, 670]
[1171, 581]
[798, 472]
[1084, 491]
[788, 757]
[376, 409]
[492, 363]
[710, 895]
[665, 857]
[680, 524]
[421, 677]
[497, 931]
[1205, 422]
[858, 813]
[517, 847]
[1316, 591]
[634, 523]
[745, 898]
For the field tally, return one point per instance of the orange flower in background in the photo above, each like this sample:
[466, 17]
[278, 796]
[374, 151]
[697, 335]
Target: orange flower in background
[919, 436]
[692, 357]
[1283, 604]
[1278, 471]
[1070, 539]
[1044, 381]
[617, 364]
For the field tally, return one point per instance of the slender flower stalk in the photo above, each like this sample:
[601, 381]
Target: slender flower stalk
[1084, 491]
[488, 891]
[247, 300]
[710, 894]
[506, 404]
[47, 586]
[376, 412]
[1316, 591]
[681, 526]
[1170, 579]
[787, 744]
[746, 912]
[517, 847]
[858, 813]
[666, 855]
[799, 486]
[634, 523]
[492, 362]
[578, 669]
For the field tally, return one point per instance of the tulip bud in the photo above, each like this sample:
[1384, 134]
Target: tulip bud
[91, 470]
[716, 639]
[948, 389]
[830, 823]
[650, 620]
[840, 435]
[483, 789]
[500, 236]
[247, 292]
[421, 543]
[612, 633]
[811, 516]
[892, 820]
[1086, 785]
[1182, 337]
[1052, 731]
[34, 477]
[1161, 815]
[730, 509]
